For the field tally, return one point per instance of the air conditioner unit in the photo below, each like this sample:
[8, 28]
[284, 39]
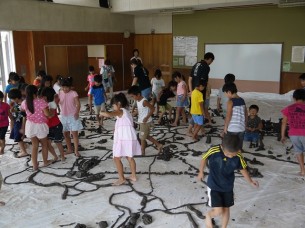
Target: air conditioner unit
[291, 3]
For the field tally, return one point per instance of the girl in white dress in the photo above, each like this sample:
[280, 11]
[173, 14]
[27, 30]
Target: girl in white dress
[125, 142]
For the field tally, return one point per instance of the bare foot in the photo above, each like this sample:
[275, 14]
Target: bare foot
[189, 134]
[49, 162]
[301, 174]
[22, 154]
[62, 158]
[132, 178]
[55, 159]
[119, 182]
[68, 152]
[208, 221]
[77, 154]
[160, 147]
[2, 203]
[174, 125]
[195, 137]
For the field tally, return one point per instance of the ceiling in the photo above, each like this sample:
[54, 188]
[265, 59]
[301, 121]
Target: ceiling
[171, 6]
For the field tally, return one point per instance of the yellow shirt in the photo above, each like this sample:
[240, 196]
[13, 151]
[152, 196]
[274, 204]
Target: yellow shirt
[196, 99]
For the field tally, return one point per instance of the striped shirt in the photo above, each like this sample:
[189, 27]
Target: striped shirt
[221, 177]
[237, 122]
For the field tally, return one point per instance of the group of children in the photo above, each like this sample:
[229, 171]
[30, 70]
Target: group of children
[33, 110]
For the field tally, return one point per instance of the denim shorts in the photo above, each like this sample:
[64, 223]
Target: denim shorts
[146, 93]
[198, 119]
[251, 136]
[298, 142]
[182, 103]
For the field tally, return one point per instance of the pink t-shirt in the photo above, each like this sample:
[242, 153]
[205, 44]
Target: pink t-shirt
[38, 116]
[296, 118]
[90, 79]
[67, 102]
[4, 111]
[180, 89]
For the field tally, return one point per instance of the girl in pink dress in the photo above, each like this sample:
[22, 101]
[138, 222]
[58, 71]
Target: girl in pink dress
[90, 80]
[36, 128]
[125, 143]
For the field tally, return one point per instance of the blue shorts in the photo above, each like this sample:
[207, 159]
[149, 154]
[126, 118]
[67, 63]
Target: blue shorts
[251, 137]
[298, 142]
[198, 119]
[69, 123]
[146, 93]
[15, 133]
[182, 103]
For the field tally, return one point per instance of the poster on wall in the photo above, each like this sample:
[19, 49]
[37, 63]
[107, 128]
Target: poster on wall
[185, 47]
[298, 54]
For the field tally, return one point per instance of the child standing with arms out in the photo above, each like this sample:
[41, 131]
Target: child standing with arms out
[90, 80]
[236, 118]
[70, 107]
[197, 109]
[4, 115]
[157, 84]
[253, 127]
[36, 127]
[145, 111]
[99, 98]
[19, 121]
[182, 98]
[294, 115]
[125, 142]
[55, 126]
[163, 96]
[223, 160]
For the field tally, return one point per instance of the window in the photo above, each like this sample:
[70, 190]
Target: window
[7, 58]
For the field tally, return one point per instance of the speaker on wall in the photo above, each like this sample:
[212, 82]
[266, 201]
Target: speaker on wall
[104, 3]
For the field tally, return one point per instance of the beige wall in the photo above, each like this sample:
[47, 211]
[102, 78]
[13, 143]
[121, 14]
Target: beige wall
[160, 23]
[44, 16]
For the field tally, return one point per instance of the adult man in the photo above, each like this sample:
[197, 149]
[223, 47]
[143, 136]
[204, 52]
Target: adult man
[200, 71]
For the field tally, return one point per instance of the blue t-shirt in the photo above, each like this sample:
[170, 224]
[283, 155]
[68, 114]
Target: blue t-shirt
[221, 177]
[98, 94]
[9, 87]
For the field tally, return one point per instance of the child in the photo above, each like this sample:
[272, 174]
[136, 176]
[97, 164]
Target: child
[157, 85]
[162, 98]
[40, 74]
[237, 115]
[197, 109]
[55, 126]
[99, 98]
[36, 127]
[294, 116]
[13, 84]
[46, 81]
[223, 160]
[107, 71]
[125, 142]
[70, 107]
[222, 100]
[253, 127]
[145, 110]
[90, 79]
[57, 85]
[302, 80]
[4, 115]
[181, 98]
[19, 121]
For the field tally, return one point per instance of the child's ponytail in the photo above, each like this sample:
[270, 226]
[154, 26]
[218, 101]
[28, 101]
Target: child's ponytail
[30, 91]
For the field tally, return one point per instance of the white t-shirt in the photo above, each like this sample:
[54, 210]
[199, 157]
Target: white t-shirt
[157, 85]
[143, 111]
[56, 87]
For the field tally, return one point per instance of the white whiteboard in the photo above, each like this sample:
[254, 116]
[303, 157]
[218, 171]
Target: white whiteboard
[260, 62]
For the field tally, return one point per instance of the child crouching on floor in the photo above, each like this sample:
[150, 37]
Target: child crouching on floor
[223, 160]
[253, 126]
[163, 97]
